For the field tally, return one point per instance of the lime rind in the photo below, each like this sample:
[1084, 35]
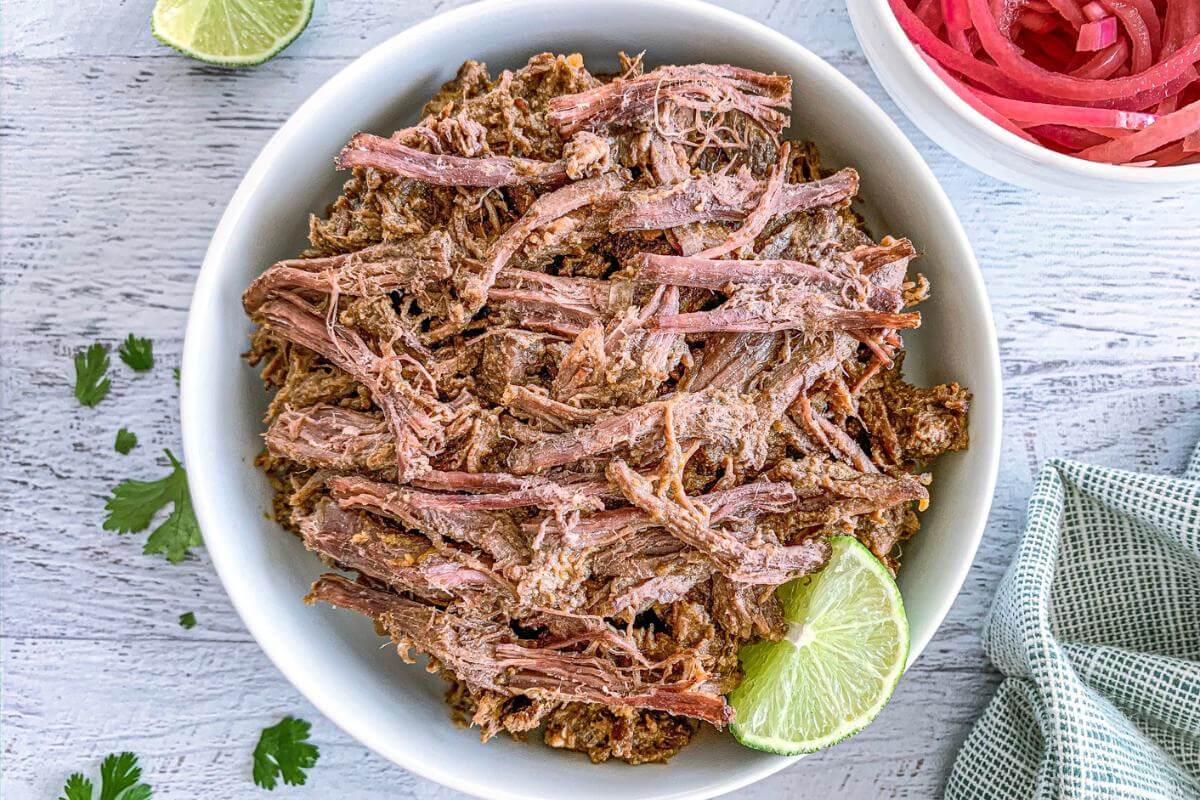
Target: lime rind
[846, 648]
[230, 33]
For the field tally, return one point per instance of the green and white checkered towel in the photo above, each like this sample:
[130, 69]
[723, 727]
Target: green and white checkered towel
[1097, 627]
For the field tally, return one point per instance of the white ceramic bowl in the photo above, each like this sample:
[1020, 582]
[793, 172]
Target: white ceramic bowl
[334, 657]
[965, 133]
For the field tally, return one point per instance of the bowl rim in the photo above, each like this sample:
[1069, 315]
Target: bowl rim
[204, 304]
[1151, 176]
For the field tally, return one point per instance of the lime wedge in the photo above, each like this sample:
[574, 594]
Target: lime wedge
[844, 651]
[232, 33]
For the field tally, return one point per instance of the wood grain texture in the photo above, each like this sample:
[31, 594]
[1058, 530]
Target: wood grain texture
[116, 159]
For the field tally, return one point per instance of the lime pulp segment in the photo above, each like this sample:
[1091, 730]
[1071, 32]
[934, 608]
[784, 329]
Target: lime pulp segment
[838, 664]
[230, 32]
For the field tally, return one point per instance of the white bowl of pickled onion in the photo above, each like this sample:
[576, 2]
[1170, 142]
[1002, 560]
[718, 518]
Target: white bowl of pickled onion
[956, 125]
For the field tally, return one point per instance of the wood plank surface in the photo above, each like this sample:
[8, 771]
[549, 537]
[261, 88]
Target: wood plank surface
[117, 157]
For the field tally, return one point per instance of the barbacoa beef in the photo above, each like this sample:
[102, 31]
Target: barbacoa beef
[576, 371]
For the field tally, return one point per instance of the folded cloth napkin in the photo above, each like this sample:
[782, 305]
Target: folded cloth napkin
[1097, 627]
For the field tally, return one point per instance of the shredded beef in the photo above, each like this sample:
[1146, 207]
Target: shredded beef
[575, 372]
[634, 736]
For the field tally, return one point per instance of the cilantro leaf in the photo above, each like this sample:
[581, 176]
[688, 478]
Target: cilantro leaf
[175, 373]
[187, 620]
[283, 751]
[137, 353]
[77, 788]
[178, 532]
[90, 384]
[119, 776]
[126, 441]
[134, 503]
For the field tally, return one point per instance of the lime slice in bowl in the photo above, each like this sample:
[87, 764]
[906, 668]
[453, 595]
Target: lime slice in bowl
[836, 668]
[232, 33]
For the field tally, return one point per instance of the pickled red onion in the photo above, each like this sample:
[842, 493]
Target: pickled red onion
[973, 100]
[1168, 129]
[1094, 11]
[1021, 111]
[1149, 14]
[1103, 80]
[966, 65]
[1068, 138]
[1104, 63]
[1068, 11]
[1025, 73]
[1097, 35]
[1037, 22]
[957, 19]
[1138, 31]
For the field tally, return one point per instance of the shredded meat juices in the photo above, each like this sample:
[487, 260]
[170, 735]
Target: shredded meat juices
[575, 372]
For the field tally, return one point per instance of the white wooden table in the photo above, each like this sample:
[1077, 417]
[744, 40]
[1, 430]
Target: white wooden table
[117, 159]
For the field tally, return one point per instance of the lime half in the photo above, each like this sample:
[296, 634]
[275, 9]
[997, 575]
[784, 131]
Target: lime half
[232, 33]
[844, 651]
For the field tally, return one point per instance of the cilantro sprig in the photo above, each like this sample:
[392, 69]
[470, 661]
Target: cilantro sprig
[283, 751]
[119, 780]
[91, 365]
[137, 353]
[126, 441]
[134, 503]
